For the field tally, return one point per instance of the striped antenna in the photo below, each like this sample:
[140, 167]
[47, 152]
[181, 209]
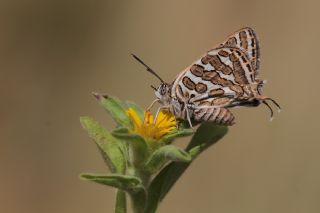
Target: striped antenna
[147, 67]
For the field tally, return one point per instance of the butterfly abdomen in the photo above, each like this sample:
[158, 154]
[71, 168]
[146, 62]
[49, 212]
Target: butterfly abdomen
[217, 115]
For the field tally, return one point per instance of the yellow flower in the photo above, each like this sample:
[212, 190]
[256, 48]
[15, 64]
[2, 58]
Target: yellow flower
[150, 128]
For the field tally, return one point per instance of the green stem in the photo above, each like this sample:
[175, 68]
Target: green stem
[121, 202]
[138, 201]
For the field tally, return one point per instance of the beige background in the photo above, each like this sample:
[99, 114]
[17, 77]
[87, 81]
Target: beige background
[53, 54]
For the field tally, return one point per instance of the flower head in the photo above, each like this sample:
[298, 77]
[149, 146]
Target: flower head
[150, 127]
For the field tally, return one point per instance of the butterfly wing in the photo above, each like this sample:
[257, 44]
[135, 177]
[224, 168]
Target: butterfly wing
[215, 80]
[246, 39]
[220, 72]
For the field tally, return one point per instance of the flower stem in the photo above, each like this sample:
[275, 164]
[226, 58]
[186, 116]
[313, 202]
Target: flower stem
[121, 202]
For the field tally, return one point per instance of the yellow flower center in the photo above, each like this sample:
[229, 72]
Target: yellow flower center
[150, 128]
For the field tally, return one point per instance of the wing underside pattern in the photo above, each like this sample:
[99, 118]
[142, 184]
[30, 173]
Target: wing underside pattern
[217, 79]
[246, 39]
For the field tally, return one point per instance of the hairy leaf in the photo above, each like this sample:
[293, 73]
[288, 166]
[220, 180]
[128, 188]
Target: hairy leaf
[111, 149]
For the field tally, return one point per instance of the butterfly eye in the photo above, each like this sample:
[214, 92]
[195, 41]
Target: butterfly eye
[163, 91]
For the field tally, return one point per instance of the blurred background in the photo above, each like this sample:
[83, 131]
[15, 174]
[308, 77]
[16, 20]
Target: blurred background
[54, 53]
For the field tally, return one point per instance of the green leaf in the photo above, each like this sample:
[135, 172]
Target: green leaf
[137, 108]
[206, 135]
[115, 108]
[111, 149]
[167, 139]
[120, 130]
[121, 202]
[165, 154]
[130, 184]
[137, 143]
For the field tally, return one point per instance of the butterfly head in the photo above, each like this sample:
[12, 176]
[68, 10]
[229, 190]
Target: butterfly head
[163, 92]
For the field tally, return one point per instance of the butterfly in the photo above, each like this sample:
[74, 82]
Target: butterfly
[224, 77]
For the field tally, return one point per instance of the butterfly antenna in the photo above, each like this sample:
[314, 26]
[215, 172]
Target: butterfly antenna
[275, 103]
[153, 87]
[271, 116]
[147, 67]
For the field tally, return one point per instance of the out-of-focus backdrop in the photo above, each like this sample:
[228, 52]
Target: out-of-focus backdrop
[53, 54]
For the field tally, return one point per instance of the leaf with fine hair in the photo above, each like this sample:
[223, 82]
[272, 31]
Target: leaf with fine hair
[128, 183]
[136, 142]
[165, 154]
[115, 108]
[167, 139]
[206, 135]
[111, 149]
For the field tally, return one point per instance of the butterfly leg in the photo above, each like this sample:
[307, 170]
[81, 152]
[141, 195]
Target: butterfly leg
[158, 111]
[151, 105]
[188, 116]
[174, 115]
[170, 110]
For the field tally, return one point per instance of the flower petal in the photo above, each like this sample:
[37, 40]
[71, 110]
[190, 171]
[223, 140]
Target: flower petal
[150, 127]
[134, 117]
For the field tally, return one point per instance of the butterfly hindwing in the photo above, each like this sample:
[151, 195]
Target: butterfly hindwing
[246, 39]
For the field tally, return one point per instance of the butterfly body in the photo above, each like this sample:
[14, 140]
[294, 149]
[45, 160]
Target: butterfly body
[223, 78]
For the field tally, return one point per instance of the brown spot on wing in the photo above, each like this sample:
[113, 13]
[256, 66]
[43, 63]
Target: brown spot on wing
[237, 89]
[201, 88]
[187, 82]
[239, 73]
[232, 42]
[243, 40]
[221, 81]
[220, 101]
[181, 94]
[216, 62]
[233, 57]
[252, 77]
[223, 53]
[197, 70]
[206, 59]
[216, 92]
[226, 70]
[208, 75]
[249, 67]
[215, 78]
